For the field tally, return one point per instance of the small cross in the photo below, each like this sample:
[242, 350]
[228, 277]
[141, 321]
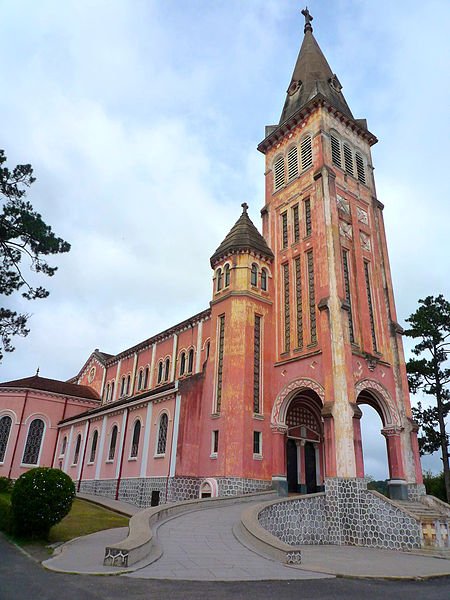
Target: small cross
[37, 372]
[308, 19]
[244, 206]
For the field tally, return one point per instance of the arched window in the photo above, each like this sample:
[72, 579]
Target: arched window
[63, 446]
[122, 387]
[254, 275]
[162, 434]
[93, 446]
[160, 371]
[76, 454]
[5, 428]
[166, 369]
[146, 377]
[264, 280]
[107, 392]
[226, 272]
[292, 162]
[278, 168]
[219, 279]
[135, 440]
[306, 153]
[191, 360]
[140, 379]
[208, 348]
[112, 443]
[182, 363]
[128, 385]
[34, 440]
[112, 391]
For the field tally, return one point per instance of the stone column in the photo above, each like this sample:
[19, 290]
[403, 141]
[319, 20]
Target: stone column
[397, 486]
[357, 441]
[329, 441]
[279, 478]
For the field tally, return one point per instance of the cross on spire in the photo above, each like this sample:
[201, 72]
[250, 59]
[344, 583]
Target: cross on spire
[308, 18]
[245, 207]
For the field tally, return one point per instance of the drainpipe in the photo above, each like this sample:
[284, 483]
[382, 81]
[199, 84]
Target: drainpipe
[84, 455]
[18, 434]
[121, 456]
[57, 435]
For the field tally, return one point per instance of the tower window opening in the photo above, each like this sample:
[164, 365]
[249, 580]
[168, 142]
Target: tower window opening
[292, 161]
[279, 173]
[141, 374]
[257, 446]
[264, 279]
[146, 373]
[215, 442]
[370, 304]
[122, 386]
[219, 280]
[226, 271]
[254, 275]
[166, 369]
[360, 171]
[336, 156]
[296, 223]
[220, 363]
[298, 302]
[190, 360]
[287, 309]
[284, 230]
[312, 298]
[257, 365]
[306, 153]
[308, 223]
[182, 363]
[348, 295]
[160, 371]
[348, 159]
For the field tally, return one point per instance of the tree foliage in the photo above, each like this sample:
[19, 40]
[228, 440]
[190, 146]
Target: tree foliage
[429, 373]
[24, 236]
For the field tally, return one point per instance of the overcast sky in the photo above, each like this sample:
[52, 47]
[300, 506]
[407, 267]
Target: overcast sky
[141, 119]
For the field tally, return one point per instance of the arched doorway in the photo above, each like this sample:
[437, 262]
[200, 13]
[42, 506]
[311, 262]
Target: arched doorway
[304, 446]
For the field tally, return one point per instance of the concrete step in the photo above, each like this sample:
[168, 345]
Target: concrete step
[421, 511]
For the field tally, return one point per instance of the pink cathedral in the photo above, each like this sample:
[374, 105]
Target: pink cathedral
[263, 388]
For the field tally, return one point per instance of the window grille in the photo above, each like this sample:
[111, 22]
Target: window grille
[34, 440]
[76, 454]
[182, 363]
[296, 223]
[220, 362]
[135, 440]
[306, 153]
[162, 434]
[112, 443]
[279, 173]
[348, 295]
[257, 365]
[190, 360]
[298, 302]
[370, 303]
[284, 230]
[93, 446]
[312, 298]
[264, 279]
[256, 442]
[336, 151]
[292, 160]
[360, 168]
[287, 309]
[226, 271]
[308, 223]
[348, 159]
[219, 279]
[5, 428]
[254, 275]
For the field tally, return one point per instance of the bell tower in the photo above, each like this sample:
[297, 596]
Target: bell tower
[335, 321]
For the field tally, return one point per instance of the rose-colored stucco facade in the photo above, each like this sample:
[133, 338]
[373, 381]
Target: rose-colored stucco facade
[262, 388]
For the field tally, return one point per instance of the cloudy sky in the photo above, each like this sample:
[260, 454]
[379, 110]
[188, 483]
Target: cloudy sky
[141, 119]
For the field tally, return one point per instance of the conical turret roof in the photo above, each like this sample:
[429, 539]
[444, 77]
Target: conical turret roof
[243, 236]
[312, 76]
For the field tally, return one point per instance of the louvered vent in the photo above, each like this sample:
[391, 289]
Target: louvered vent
[306, 152]
[360, 168]
[348, 158]
[336, 151]
[292, 159]
[279, 173]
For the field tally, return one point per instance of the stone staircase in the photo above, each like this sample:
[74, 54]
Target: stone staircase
[434, 517]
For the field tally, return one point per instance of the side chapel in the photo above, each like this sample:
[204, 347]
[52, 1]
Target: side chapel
[264, 387]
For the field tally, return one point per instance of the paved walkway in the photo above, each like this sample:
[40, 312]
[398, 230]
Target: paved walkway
[201, 546]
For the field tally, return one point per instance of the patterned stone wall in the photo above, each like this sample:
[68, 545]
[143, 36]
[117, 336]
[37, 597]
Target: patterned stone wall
[348, 513]
[234, 486]
[415, 492]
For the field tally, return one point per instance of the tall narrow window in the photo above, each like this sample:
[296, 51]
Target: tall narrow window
[76, 454]
[254, 275]
[140, 379]
[226, 271]
[312, 298]
[182, 363]
[112, 443]
[215, 442]
[370, 303]
[360, 171]
[348, 159]
[93, 446]
[128, 389]
[292, 160]
[146, 373]
[284, 230]
[308, 224]
[5, 428]
[264, 279]
[306, 153]
[135, 440]
[348, 295]
[190, 360]
[296, 223]
[257, 365]
[162, 434]
[220, 363]
[63, 446]
[336, 151]
[287, 309]
[107, 398]
[257, 443]
[112, 391]
[298, 302]
[34, 441]
[219, 280]
[278, 168]
[167, 369]
[122, 386]
[160, 371]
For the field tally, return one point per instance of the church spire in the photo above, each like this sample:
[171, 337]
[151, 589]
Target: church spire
[312, 76]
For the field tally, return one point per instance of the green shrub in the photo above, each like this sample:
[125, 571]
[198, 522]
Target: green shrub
[435, 485]
[6, 485]
[5, 513]
[40, 499]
